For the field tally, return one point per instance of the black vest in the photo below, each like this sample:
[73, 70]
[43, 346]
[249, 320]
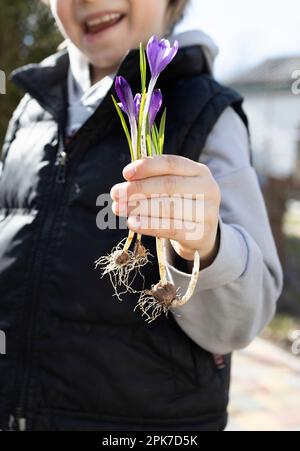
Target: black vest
[77, 358]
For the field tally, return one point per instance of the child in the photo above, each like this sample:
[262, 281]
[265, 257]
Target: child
[77, 358]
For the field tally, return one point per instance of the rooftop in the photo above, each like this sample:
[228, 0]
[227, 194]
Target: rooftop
[275, 72]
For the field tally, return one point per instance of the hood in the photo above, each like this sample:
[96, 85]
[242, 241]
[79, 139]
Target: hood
[188, 32]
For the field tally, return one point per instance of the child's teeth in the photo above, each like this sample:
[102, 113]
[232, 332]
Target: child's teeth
[103, 19]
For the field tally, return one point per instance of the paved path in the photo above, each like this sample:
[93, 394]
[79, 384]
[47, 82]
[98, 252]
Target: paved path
[265, 393]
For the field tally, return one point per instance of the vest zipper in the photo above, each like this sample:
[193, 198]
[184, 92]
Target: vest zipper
[18, 421]
[61, 162]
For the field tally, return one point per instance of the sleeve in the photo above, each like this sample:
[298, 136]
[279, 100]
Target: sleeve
[12, 129]
[236, 296]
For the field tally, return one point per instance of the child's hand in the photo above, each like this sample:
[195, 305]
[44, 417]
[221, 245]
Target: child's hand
[172, 197]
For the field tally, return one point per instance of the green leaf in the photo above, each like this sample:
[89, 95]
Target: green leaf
[143, 67]
[148, 140]
[140, 122]
[155, 139]
[149, 145]
[162, 129]
[124, 127]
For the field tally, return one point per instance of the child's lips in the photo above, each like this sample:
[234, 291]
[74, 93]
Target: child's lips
[93, 28]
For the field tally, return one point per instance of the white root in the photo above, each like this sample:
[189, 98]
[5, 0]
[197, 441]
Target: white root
[153, 307]
[123, 265]
[119, 274]
[161, 260]
[147, 302]
[142, 255]
[192, 285]
[129, 240]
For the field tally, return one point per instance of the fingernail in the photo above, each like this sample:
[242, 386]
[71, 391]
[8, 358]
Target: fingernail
[129, 171]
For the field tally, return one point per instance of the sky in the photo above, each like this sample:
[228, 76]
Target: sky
[247, 32]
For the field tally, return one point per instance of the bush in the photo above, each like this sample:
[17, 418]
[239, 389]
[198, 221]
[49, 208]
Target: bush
[28, 35]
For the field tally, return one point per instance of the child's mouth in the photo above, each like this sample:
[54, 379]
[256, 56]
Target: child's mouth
[93, 27]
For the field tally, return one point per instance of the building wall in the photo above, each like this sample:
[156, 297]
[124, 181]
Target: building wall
[275, 125]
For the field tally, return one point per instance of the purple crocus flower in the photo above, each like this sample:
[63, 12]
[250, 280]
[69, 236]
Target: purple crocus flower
[137, 105]
[160, 53]
[125, 95]
[155, 105]
[127, 105]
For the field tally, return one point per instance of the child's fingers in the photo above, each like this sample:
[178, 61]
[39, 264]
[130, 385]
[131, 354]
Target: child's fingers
[165, 207]
[173, 229]
[163, 165]
[167, 185]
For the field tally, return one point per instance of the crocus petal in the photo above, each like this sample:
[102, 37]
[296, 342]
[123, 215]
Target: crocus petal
[122, 107]
[170, 55]
[155, 105]
[152, 54]
[160, 53]
[125, 95]
[137, 105]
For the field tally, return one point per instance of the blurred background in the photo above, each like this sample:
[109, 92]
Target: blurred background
[260, 57]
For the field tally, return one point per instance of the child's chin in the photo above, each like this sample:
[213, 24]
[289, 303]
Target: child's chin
[105, 59]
